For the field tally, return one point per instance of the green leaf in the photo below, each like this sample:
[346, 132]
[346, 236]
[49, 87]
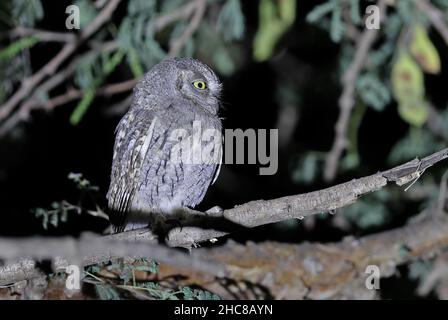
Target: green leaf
[16, 47]
[275, 18]
[82, 106]
[372, 91]
[27, 12]
[354, 12]
[336, 25]
[418, 143]
[87, 12]
[231, 21]
[320, 11]
[223, 61]
[415, 113]
[134, 63]
[110, 64]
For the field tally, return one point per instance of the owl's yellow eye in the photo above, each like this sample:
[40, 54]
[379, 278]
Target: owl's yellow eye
[199, 84]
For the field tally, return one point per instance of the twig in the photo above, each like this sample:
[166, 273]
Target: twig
[69, 96]
[36, 101]
[435, 16]
[42, 35]
[177, 44]
[120, 107]
[347, 99]
[197, 7]
[440, 208]
[181, 13]
[30, 83]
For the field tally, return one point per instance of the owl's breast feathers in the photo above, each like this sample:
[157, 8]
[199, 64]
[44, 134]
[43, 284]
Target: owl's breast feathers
[144, 177]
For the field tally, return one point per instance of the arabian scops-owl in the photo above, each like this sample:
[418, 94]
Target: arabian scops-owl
[176, 102]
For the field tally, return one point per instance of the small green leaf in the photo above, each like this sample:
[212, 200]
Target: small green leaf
[82, 106]
[415, 114]
[14, 48]
[275, 18]
[110, 64]
[231, 21]
[134, 63]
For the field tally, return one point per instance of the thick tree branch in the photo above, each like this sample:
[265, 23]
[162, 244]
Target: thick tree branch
[141, 242]
[87, 250]
[307, 271]
[261, 212]
[315, 270]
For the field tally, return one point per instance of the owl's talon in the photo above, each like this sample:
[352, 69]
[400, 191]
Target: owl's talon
[215, 209]
[175, 223]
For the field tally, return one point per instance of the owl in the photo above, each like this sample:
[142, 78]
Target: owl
[168, 146]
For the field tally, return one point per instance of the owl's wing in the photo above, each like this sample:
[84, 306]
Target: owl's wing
[133, 136]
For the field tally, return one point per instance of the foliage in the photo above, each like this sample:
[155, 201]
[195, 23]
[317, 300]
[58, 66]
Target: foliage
[276, 17]
[26, 12]
[231, 21]
[126, 280]
[14, 48]
[60, 210]
[140, 46]
[369, 212]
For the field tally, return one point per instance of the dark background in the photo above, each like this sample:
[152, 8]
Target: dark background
[37, 156]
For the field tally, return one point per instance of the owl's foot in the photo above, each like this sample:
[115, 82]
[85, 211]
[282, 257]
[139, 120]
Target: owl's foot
[173, 223]
[216, 210]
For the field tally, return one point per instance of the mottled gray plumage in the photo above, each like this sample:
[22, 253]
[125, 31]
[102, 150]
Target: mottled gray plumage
[145, 182]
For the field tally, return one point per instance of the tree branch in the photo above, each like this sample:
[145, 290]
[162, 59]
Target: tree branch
[206, 226]
[67, 50]
[316, 270]
[177, 44]
[196, 7]
[435, 16]
[42, 35]
[87, 250]
[347, 98]
[91, 250]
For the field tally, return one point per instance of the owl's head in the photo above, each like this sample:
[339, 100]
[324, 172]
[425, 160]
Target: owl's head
[185, 78]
